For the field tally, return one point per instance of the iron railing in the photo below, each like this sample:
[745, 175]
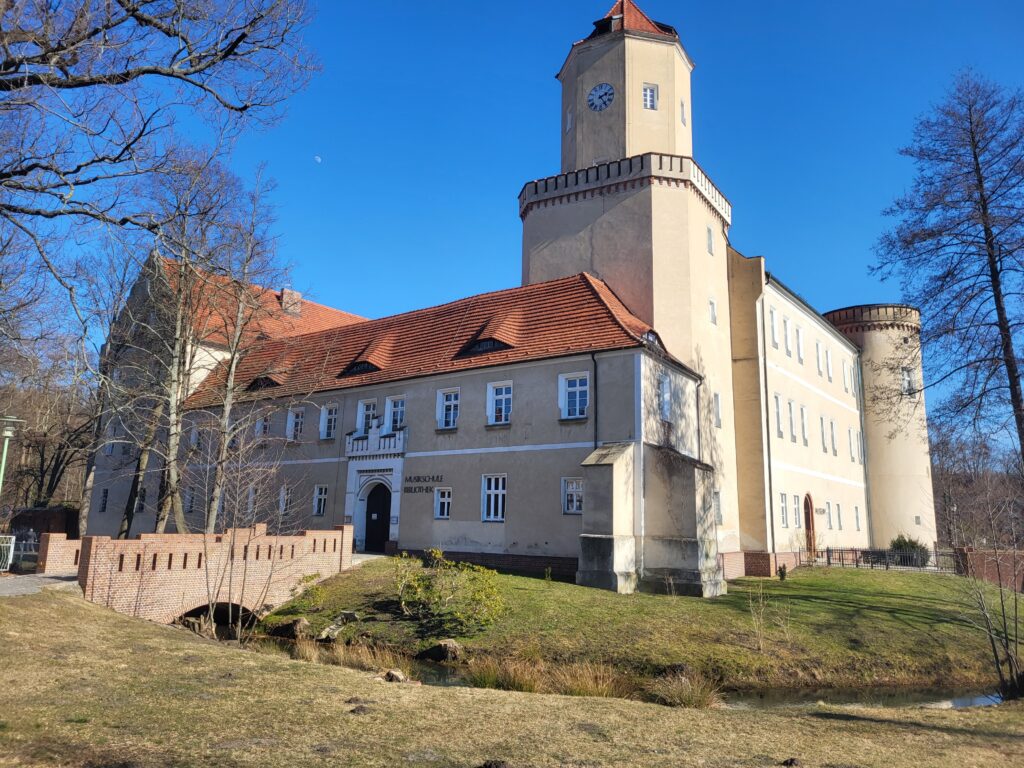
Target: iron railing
[935, 560]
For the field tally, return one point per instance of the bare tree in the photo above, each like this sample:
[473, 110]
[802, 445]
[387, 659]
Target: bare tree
[958, 244]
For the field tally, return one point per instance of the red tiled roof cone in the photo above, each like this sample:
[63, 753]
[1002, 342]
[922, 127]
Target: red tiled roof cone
[633, 18]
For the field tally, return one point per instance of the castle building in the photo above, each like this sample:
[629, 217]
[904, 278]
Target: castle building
[650, 409]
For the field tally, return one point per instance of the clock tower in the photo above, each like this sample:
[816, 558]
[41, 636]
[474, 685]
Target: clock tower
[625, 91]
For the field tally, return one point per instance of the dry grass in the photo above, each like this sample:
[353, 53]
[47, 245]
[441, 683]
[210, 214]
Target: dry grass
[691, 691]
[367, 658]
[589, 678]
[304, 649]
[505, 674]
[97, 689]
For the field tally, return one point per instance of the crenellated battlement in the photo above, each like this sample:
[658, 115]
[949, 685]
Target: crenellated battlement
[865, 317]
[649, 168]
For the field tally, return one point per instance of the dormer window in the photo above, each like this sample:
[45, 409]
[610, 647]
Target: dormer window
[262, 382]
[359, 367]
[482, 346]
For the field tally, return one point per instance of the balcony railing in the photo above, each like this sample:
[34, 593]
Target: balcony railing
[374, 442]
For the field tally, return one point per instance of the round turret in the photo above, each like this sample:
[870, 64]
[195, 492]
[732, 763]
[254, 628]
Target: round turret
[897, 456]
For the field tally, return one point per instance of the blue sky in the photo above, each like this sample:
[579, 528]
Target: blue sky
[429, 117]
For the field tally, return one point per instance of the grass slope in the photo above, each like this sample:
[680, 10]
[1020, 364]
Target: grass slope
[830, 627]
[89, 687]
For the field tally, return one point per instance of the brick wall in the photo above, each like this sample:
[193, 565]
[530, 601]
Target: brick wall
[162, 576]
[1004, 568]
[58, 556]
[764, 564]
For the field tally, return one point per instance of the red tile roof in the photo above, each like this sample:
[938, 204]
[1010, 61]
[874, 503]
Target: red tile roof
[572, 315]
[268, 315]
[633, 18]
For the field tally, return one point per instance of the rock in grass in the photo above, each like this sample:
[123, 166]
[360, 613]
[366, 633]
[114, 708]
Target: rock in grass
[293, 629]
[395, 676]
[443, 650]
[360, 709]
[792, 762]
[495, 764]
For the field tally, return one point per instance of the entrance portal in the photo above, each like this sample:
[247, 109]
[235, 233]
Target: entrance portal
[378, 518]
[809, 525]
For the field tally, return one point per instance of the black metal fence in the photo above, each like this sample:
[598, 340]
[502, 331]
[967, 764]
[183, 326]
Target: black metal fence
[934, 560]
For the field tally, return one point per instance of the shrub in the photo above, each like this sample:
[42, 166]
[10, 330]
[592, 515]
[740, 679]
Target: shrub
[911, 551]
[588, 678]
[457, 598]
[782, 572]
[678, 690]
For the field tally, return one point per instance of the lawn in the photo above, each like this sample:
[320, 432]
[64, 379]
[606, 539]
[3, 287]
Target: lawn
[91, 688]
[822, 627]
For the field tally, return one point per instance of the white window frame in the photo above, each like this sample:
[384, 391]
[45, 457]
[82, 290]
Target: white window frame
[284, 499]
[907, 381]
[563, 395]
[713, 311]
[835, 443]
[319, 501]
[682, 111]
[849, 438]
[443, 503]
[828, 362]
[774, 329]
[860, 447]
[493, 499]
[572, 496]
[778, 416]
[366, 413]
[449, 402]
[783, 512]
[846, 377]
[711, 241]
[797, 511]
[665, 397]
[803, 424]
[828, 511]
[716, 507]
[856, 517]
[716, 404]
[800, 345]
[839, 516]
[650, 96]
[792, 420]
[817, 356]
[824, 436]
[492, 403]
[785, 336]
[391, 408]
[296, 424]
[328, 421]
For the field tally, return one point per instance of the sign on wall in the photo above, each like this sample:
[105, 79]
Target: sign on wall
[421, 483]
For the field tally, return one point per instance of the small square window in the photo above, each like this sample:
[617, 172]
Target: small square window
[572, 495]
[650, 96]
[442, 503]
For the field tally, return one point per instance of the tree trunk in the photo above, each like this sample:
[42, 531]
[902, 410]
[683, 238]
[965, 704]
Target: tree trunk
[85, 505]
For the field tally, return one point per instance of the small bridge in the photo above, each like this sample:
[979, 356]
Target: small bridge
[162, 577]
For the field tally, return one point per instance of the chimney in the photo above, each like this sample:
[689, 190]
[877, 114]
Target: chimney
[291, 302]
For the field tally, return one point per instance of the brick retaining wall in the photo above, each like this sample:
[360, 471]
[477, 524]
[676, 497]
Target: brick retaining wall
[163, 576]
[58, 555]
[1004, 568]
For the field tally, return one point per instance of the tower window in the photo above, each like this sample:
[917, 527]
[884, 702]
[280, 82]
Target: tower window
[717, 402]
[711, 241]
[682, 111]
[568, 119]
[650, 96]
[713, 311]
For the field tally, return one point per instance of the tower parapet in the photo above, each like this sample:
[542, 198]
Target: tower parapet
[895, 424]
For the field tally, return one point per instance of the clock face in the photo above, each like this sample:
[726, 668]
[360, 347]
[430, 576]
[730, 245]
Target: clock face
[601, 97]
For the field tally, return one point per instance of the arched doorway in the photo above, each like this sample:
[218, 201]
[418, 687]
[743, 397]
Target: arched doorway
[809, 525]
[378, 518]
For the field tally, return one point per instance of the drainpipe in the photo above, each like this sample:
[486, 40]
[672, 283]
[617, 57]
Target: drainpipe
[593, 399]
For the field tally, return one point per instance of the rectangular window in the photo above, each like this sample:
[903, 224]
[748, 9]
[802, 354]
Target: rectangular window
[824, 443]
[442, 503]
[713, 311]
[574, 395]
[778, 416]
[492, 503]
[856, 517]
[717, 404]
[796, 511]
[328, 421]
[785, 336]
[783, 514]
[296, 420]
[319, 501]
[263, 426]
[394, 413]
[716, 506]
[711, 241]
[499, 402]
[771, 325]
[835, 445]
[366, 414]
[447, 408]
[284, 501]
[860, 447]
[828, 363]
[817, 355]
[682, 111]
[828, 511]
[572, 495]
[104, 495]
[665, 397]
[846, 377]
[849, 438]
[839, 516]
[650, 96]
[800, 345]
[906, 381]
[792, 421]
[568, 119]
[803, 424]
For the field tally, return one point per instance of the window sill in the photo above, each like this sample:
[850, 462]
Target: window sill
[446, 430]
[499, 522]
[499, 425]
[572, 419]
[571, 514]
[442, 519]
[327, 439]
